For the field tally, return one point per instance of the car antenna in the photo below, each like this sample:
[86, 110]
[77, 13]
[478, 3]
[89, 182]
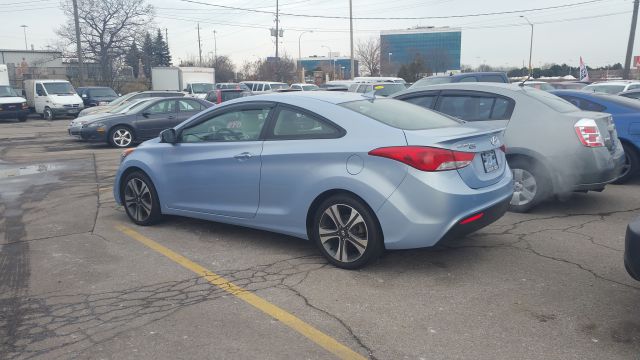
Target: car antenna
[525, 80]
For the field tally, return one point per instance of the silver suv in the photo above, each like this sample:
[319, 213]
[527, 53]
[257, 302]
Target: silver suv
[553, 148]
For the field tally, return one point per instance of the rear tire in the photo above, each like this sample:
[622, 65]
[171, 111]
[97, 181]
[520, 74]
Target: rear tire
[530, 183]
[346, 232]
[632, 162]
[140, 199]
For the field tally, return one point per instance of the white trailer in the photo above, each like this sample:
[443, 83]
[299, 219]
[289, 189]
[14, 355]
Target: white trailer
[4, 75]
[194, 81]
[166, 78]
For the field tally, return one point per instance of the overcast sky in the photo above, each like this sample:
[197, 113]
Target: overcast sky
[597, 31]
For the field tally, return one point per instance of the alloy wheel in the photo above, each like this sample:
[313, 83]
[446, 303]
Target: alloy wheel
[122, 137]
[137, 199]
[627, 165]
[525, 187]
[343, 233]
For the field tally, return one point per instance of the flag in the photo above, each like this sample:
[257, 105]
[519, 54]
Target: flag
[584, 74]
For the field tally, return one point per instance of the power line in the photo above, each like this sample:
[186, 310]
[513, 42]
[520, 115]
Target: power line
[398, 18]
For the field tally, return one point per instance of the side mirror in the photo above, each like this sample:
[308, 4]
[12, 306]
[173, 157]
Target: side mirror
[168, 136]
[146, 114]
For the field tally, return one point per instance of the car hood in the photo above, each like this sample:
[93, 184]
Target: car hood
[108, 118]
[66, 99]
[12, 100]
[89, 118]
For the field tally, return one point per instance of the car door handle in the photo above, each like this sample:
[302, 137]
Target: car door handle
[244, 156]
[171, 117]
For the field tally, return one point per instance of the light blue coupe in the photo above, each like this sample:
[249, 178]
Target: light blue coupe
[353, 173]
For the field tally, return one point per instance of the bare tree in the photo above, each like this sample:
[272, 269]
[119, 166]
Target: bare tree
[107, 30]
[368, 54]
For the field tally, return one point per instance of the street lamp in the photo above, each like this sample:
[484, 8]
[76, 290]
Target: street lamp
[530, 45]
[333, 70]
[300, 55]
[24, 29]
[390, 63]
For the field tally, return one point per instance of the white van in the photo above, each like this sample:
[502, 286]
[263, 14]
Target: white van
[258, 87]
[371, 79]
[51, 98]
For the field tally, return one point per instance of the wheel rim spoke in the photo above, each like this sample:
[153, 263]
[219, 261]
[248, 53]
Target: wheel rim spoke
[345, 241]
[138, 200]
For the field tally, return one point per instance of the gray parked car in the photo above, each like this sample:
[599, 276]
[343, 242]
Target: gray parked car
[132, 96]
[142, 122]
[553, 148]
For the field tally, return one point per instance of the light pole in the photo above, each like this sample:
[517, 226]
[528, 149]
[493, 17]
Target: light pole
[300, 54]
[530, 45]
[390, 63]
[330, 58]
[24, 29]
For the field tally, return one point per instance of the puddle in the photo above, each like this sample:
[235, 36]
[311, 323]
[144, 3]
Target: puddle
[9, 172]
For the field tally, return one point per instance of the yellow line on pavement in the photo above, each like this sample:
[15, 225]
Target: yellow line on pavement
[325, 341]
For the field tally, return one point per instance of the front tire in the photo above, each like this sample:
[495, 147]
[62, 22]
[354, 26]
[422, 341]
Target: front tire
[121, 137]
[632, 162]
[22, 118]
[346, 232]
[140, 199]
[530, 185]
[48, 114]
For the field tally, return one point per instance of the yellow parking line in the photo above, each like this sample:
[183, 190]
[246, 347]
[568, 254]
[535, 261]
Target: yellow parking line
[325, 341]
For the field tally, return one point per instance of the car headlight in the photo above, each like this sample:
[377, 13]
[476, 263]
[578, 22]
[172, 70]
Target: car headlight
[94, 124]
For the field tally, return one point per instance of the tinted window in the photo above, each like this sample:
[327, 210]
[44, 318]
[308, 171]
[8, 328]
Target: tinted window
[633, 95]
[362, 88]
[470, 108]
[296, 124]
[389, 89]
[189, 105]
[278, 86]
[400, 114]
[550, 100]
[433, 81]
[39, 90]
[619, 100]
[633, 86]
[492, 78]
[162, 107]
[468, 79]
[230, 95]
[102, 92]
[353, 87]
[426, 101]
[501, 109]
[238, 125]
[583, 104]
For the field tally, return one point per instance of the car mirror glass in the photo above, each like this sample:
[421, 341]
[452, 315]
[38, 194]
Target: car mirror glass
[168, 136]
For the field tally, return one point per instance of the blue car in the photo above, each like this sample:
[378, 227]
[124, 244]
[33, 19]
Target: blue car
[626, 116]
[353, 173]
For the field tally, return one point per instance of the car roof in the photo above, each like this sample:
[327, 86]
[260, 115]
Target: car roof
[333, 97]
[474, 86]
[632, 91]
[615, 82]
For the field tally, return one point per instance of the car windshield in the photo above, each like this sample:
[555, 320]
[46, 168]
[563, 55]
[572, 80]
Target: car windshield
[123, 108]
[433, 81]
[390, 89]
[102, 92]
[230, 95]
[278, 86]
[202, 88]
[59, 88]
[605, 88]
[552, 101]
[400, 114]
[7, 91]
[309, 87]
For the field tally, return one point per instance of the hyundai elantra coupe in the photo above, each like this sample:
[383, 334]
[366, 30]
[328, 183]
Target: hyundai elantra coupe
[353, 173]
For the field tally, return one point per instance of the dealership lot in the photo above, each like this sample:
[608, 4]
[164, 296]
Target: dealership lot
[78, 280]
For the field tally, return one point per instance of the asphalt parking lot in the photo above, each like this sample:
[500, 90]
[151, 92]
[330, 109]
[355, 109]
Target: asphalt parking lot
[78, 280]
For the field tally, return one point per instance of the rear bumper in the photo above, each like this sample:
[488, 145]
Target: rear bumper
[632, 250]
[426, 207]
[14, 114]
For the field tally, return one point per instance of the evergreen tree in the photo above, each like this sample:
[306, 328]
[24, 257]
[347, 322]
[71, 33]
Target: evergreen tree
[404, 73]
[161, 54]
[147, 55]
[133, 59]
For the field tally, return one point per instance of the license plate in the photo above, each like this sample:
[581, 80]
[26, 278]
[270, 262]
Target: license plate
[72, 111]
[490, 161]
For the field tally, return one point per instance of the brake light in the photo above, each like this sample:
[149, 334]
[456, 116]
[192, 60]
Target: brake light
[588, 133]
[426, 158]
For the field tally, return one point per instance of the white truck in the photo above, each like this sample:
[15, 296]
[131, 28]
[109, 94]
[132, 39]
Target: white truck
[12, 106]
[51, 98]
[194, 81]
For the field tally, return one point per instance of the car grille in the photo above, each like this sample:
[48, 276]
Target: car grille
[11, 107]
[71, 106]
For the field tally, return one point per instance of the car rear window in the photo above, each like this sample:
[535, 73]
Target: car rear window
[400, 114]
[433, 81]
[389, 89]
[230, 95]
[492, 78]
[552, 101]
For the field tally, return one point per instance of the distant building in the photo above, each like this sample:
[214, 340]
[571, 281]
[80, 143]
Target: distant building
[341, 66]
[437, 47]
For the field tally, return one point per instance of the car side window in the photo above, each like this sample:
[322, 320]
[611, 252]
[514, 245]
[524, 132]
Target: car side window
[189, 105]
[361, 88]
[469, 108]
[234, 125]
[633, 86]
[584, 104]
[162, 107]
[469, 79]
[426, 101]
[40, 90]
[292, 124]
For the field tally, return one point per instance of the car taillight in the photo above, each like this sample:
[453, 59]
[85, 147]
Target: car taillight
[588, 133]
[426, 158]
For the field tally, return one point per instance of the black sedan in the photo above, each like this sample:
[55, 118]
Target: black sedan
[143, 122]
[96, 95]
[632, 249]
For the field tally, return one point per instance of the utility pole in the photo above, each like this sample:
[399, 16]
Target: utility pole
[215, 50]
[632, 34]
[76, 20]
[353, 70]
[277, 28]
[199, 46]
[24, 29]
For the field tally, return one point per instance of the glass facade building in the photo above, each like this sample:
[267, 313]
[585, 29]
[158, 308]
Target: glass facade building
[342, 65]
[438, 48]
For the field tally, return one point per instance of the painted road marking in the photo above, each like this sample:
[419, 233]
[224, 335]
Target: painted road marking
[325, 341]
